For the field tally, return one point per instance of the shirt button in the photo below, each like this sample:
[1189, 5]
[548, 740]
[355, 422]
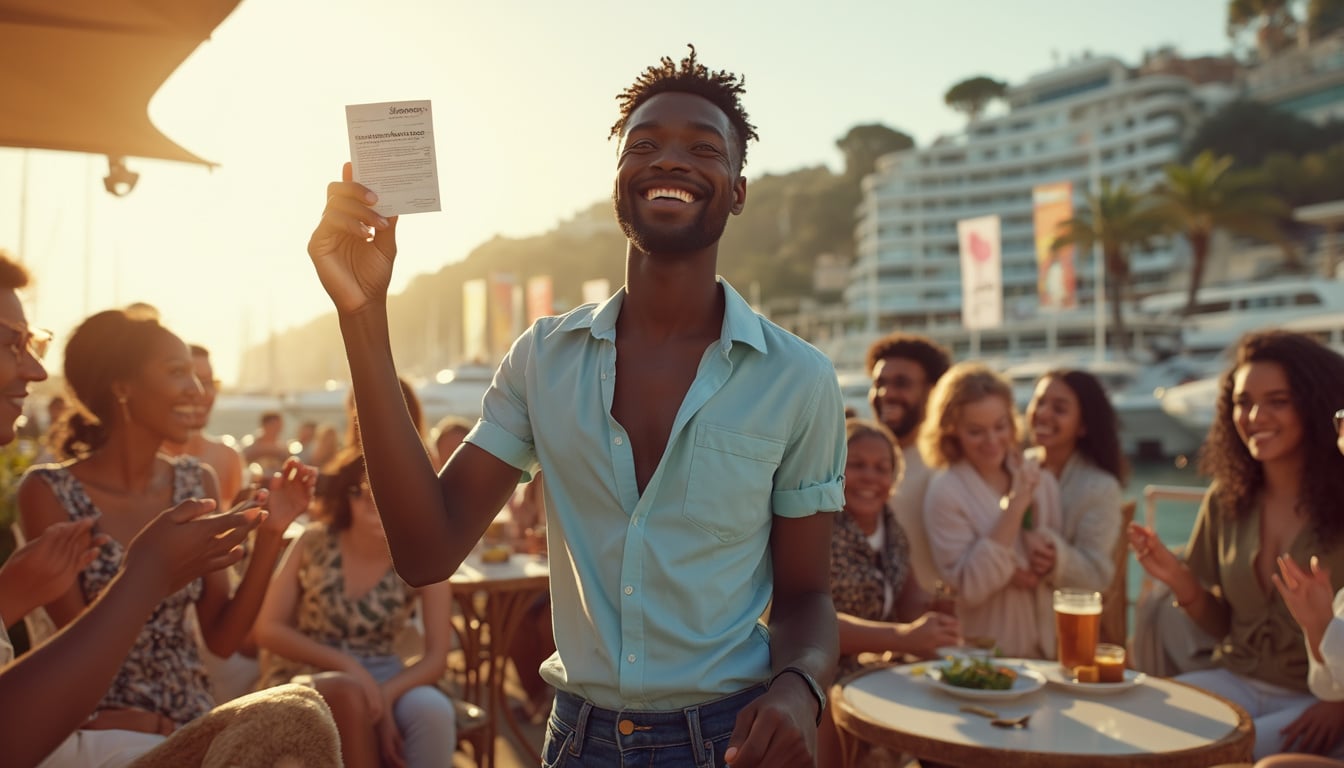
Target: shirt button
[629, 590]
[619, 441]
[630, 658]
[604, 375]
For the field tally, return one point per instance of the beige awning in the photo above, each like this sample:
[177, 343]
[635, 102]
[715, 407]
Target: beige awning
[78, 75]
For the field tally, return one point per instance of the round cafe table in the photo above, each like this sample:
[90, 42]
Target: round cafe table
[1157, 723]
[493, 598]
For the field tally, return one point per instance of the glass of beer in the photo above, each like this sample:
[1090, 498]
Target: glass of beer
[1077, 626]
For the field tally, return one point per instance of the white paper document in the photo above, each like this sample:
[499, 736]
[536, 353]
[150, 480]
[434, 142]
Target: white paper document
[392, 151]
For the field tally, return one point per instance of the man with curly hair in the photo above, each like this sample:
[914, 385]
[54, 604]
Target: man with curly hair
[904, 368]
[689, 447]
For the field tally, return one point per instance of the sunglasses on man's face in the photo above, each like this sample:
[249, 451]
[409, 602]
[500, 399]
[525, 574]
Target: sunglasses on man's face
[35, 340]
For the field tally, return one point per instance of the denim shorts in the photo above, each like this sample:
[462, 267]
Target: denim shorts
[580, 734]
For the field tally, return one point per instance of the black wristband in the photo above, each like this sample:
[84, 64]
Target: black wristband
[811, 684]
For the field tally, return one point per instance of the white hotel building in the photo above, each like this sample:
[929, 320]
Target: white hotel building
[1092, 118]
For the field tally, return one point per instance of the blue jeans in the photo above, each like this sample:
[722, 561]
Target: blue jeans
[580, 734]
[424, 715]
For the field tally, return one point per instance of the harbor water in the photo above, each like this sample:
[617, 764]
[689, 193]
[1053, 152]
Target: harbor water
[1173, 519]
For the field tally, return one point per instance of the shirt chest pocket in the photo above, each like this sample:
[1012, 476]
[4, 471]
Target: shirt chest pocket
[731, 478]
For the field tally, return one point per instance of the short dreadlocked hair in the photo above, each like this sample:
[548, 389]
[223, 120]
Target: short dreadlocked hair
[723, 89]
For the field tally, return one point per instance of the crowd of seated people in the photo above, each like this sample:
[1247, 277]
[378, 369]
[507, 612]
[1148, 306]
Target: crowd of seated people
[1004, 509]
[1005, 521]
[129, 461]
[111, 688]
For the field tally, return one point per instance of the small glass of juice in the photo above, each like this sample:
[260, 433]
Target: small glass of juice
[1110, 661]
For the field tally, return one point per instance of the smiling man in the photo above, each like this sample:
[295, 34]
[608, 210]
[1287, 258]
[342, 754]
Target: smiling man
[691, 449]
[221, 457]
[904, 367]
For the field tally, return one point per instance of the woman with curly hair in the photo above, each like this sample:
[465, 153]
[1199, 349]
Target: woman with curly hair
[1073, 425]
[982, 506]
[1277, 485]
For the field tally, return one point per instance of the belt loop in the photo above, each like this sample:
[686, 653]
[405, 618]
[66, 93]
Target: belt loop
[698, 746]
[580, 729]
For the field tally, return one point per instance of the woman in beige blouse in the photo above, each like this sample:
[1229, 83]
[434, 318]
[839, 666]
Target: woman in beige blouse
[1071, 422]
[982, 503]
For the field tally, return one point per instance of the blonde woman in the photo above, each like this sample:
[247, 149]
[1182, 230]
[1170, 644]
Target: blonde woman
[984, 505]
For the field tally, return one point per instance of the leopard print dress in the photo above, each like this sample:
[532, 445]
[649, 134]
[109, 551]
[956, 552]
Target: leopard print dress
[860, 574]
[163, 672]
[364, 626]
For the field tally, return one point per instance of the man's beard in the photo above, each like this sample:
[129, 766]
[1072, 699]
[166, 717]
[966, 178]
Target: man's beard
[907, 424]
[700, 233]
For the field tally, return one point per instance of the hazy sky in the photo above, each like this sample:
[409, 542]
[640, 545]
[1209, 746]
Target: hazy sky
[523, 97]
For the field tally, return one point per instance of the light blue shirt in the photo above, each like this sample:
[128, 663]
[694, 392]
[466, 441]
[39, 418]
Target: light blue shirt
[657, 598]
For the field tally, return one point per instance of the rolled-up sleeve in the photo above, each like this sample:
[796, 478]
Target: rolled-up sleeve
[811, 474]
[505, 429]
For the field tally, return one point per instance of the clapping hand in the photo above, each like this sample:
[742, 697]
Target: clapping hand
[185, 542]
[1153, 555]
[353, 247]
[45, 568]
[291, 490]
[1309, 596]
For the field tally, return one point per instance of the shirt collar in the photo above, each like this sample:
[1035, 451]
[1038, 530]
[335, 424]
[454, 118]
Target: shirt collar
[740, 321]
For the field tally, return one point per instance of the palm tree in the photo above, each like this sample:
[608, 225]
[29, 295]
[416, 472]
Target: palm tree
[1118, 220]
[1206, 195]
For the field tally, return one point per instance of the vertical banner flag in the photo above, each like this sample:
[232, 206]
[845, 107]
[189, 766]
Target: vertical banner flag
[596, 291]
[540, 298]
[502, 330]
[1056, 286]
[473, 322]
[981, 273]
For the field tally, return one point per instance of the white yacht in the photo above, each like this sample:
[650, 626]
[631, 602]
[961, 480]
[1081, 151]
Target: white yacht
[1225, 312]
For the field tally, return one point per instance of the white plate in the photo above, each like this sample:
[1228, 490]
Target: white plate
[1056, 675]
[1028, 681]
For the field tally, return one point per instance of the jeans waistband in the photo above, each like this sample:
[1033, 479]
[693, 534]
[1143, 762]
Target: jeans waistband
[627, 729]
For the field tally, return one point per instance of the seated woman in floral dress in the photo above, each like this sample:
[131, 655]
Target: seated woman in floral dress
[335, 608]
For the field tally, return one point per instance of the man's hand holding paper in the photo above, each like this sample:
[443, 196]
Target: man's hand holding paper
[392, 152]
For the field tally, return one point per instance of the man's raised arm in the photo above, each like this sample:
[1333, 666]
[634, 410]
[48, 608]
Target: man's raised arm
[431, 525]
